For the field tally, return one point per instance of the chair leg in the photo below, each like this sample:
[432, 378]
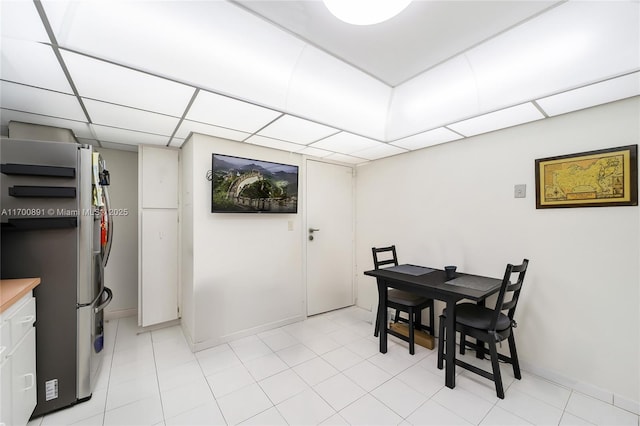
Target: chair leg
[495, 364]
[432, 327]
[412, 349]
[397, 317]
[514, 357]
[463, 343]
[377, 330]
[441, 340]
[418, 322]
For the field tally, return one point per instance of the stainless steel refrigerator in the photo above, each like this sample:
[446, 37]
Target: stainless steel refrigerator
[56, 225]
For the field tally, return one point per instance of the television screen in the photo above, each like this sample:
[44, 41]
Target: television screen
[243, 185]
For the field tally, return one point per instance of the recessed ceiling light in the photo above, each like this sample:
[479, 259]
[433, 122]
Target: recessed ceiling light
[365, 12]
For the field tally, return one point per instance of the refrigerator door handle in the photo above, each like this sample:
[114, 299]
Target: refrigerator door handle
[93, 302]
[107, 206]
[105, 302]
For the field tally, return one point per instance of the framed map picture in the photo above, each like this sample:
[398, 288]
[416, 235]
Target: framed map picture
[607, 177]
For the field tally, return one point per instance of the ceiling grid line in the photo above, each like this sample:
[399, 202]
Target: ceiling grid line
[184, 114]
[56, 52]
[315, 117]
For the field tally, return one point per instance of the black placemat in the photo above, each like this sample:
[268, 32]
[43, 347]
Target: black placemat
[475, 282]
[410, 269]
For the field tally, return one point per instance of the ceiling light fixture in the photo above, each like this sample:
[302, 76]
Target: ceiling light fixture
[365, 12]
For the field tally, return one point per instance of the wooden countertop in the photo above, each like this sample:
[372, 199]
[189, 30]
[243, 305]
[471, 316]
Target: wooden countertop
[12, 290]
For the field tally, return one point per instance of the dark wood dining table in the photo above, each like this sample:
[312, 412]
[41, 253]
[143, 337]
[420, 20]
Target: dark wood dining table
[432, 283]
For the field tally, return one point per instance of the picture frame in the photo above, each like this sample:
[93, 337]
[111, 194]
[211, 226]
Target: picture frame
[248, 185]
[601, 178]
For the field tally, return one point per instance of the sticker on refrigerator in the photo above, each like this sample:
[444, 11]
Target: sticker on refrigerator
[51, 389]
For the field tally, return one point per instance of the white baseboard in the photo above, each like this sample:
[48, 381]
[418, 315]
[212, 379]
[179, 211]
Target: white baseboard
[585, 388]
[626, 404]
[209, 343]
[159, 326]
[122, 313]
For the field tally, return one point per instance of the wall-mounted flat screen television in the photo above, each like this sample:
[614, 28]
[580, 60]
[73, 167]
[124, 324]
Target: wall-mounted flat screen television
[244, 185]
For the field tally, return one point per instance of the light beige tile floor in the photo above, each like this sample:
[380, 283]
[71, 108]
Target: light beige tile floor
[325, 370]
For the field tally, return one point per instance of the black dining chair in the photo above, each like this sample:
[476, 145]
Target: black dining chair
[402, 301]
[490, 326]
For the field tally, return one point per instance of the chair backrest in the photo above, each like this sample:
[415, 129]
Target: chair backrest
[508, 287]
[381, 256]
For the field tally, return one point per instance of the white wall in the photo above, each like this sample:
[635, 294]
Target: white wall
[453, 204]
[121, 273]
[186, 240]
[247, 268]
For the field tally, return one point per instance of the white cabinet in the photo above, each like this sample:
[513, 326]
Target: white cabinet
[18, 362]
[159, 292]
[5, 392]
[158, 240]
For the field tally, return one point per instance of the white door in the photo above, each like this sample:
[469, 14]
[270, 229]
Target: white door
[330, 224]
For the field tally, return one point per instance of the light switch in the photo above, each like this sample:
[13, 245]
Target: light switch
[520, 191]
[290, 225]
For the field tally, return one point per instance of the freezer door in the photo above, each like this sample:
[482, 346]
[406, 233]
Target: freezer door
[91, 336]
[87, 288]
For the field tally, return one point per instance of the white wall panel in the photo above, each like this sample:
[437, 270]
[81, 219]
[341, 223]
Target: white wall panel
[246, 268]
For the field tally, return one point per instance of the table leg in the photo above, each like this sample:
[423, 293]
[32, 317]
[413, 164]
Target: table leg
[480, 349]
[382, 314]
[450, 350]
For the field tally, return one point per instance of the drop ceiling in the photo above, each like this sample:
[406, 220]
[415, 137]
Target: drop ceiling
[290, 76]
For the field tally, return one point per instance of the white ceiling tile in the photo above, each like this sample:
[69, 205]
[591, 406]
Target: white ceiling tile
[576, 43]
[20, 19]
[124, 86]
[80, 129]
[127, 137]
[40, 101]
[430, 138]
[315, 152]
[345, 158]
[275, 143]
[504, 118]
[128, 118]
[222, 111]
[187, 126]
[325, 89]
[429, 32]
[380, 151]
[345, 143]
[595, 94]
[442, 95]
[32, 63]
[212, 44]
[297, 130]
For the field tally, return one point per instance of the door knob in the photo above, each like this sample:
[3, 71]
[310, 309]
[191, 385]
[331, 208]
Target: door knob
[312, 230]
